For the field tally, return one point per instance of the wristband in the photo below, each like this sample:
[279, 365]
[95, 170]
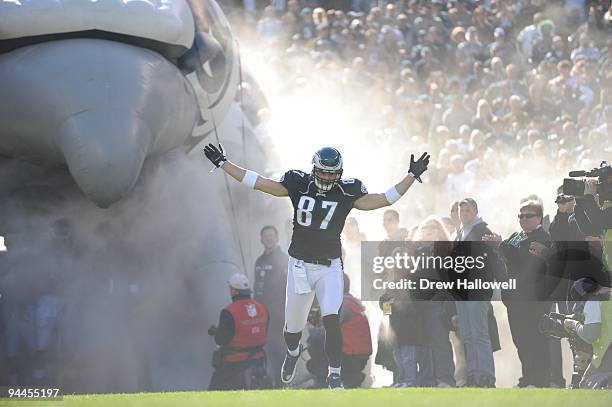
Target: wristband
[415, 177]
[250, 178]
[392, 195]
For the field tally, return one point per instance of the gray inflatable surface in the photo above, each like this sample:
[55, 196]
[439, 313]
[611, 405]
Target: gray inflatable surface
[100, 107]
[100, 96]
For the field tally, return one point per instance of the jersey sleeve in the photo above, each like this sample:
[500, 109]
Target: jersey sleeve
[353, 188]
[287, 180]
[362, 188]
[291, 179]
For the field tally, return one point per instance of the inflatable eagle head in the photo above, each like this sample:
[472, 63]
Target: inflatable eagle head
[100, 85]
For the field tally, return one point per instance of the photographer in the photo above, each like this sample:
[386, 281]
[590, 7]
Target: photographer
[595, 330]
[570, 258]
[240, 362]
[596, 220]
[524, 309]
[593, 219]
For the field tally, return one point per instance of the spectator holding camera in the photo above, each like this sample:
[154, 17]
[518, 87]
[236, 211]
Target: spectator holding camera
[524, 313]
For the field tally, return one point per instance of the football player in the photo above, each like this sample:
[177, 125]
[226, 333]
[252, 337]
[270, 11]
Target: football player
[321, 202]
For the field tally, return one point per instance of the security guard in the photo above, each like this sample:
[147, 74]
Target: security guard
[240, 361]
[269, 289]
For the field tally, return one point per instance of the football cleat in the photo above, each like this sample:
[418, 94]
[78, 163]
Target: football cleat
[289, 365]
[324, 162]
[334, 382]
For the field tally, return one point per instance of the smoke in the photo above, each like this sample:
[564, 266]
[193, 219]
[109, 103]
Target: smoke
[136, 286]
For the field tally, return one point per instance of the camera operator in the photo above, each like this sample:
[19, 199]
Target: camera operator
[596, 220]
[595, 330]
[570, 257]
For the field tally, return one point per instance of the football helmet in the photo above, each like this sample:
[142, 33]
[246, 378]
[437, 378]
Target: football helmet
[326, 161]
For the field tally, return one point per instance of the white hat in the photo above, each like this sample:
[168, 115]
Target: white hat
[239, 281]
[2, 246]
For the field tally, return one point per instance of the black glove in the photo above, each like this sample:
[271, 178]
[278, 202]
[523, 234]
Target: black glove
[212, 330]
[215, 155]
[418, 167]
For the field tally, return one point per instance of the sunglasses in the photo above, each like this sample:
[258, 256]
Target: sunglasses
[526, 215]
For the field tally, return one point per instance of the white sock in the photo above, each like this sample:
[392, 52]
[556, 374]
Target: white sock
[295, 352]
[334, 370]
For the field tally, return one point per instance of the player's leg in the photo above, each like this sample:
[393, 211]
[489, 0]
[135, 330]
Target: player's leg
[297, 307]
[330, 292]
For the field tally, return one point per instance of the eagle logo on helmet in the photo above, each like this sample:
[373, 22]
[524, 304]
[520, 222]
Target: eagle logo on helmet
[326, 168]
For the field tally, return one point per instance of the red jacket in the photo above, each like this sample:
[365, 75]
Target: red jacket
[356, 337]
[250, 330]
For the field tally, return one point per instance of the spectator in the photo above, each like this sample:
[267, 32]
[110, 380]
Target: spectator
[455, 116]
[473, 316]
[529, 35]
[585, 50]
[501, 47]
[440, 372]
[269, 26]
[483, 119]
[517, 118]
[524, 313]
[426, 64]
[544, 43]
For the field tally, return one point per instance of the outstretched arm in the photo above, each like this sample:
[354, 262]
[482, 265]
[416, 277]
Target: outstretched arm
[370, 202]
[247, 177]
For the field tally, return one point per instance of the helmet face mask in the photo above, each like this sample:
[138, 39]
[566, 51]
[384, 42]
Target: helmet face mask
[326, 161]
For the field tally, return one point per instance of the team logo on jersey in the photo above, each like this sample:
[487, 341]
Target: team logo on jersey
[251, 310]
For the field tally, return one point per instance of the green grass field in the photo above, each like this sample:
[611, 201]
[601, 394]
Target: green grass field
[348, 398]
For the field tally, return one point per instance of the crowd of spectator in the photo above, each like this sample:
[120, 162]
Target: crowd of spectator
[489, 88]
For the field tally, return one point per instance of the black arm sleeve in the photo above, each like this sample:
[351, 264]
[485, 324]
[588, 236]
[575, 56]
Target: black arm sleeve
[592, 220]
[225, 329]
[560, 228]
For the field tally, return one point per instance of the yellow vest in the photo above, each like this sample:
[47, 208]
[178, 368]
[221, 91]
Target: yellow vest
[603, 341]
